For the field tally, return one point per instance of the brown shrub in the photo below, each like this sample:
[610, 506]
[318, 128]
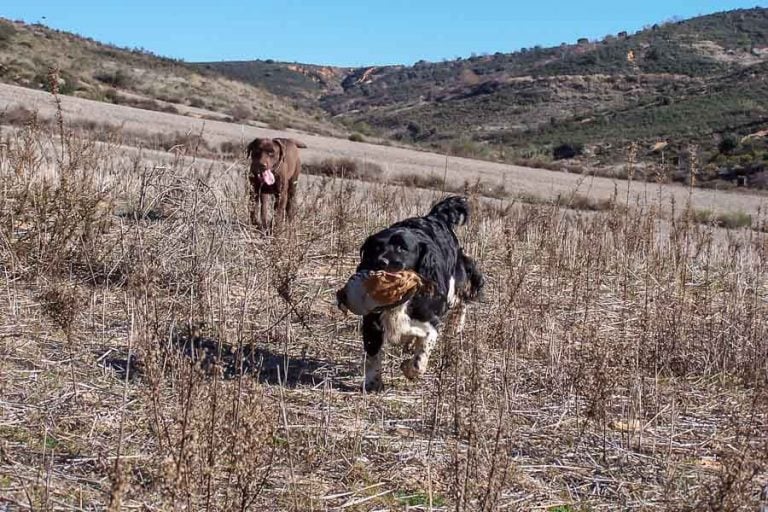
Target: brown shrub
[240, 112]
[436, 182]
[344, 168]
[276, 123]
[582, 202]
[430, 181]
[17, 116]
[196, 102]
[538, 163]
[727, 220]
[148, 104]
[185, 141]
[231, 148]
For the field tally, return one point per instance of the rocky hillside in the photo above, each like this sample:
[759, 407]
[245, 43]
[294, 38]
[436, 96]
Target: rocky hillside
[93, 70]
[696, 80]
[302, 82]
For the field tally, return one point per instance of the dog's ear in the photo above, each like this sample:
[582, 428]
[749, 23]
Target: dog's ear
[280, 146]
[252, 147]
[295, 142]
[431, 269]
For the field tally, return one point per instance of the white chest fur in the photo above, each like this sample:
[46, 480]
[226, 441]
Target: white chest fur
[397, 324]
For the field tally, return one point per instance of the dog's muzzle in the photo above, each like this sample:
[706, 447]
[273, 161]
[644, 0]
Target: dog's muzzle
[341, 299]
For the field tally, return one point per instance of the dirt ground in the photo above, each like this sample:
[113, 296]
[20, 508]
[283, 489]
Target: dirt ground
[164, 355]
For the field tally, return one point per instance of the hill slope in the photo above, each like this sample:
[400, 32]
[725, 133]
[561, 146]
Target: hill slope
[650, 82]
[699, 81]
[93, 70]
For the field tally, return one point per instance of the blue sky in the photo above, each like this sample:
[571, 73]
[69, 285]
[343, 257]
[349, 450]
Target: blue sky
[348, 32]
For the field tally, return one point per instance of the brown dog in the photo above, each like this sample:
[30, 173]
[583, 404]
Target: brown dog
[275, 169]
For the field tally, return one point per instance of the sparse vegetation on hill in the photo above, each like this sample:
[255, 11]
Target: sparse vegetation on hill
[684, 82]
[679, 83]
[93, 70]
[301, 82]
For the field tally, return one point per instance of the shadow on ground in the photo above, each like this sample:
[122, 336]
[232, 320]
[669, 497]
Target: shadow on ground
[268, 366]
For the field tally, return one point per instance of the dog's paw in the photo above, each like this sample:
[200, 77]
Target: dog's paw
[374, 385]
[410, 370]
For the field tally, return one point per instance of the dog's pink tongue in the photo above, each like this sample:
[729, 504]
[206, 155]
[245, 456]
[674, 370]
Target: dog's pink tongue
[267, 177]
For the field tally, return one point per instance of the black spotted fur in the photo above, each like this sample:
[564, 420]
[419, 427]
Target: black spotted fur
[428, 246]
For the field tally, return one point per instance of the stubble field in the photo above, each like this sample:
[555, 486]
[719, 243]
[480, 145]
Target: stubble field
[157, 353]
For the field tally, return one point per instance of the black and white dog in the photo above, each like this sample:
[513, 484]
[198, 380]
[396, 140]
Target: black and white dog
[428, 246]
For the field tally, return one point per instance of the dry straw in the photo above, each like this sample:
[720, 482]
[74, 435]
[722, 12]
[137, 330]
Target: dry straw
[157, 353]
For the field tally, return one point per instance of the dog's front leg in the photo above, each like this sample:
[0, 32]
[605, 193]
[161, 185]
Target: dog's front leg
[281, 206]
[290, 206]
[373, 341]
[254, 204]
[264, 206]
[426, 339]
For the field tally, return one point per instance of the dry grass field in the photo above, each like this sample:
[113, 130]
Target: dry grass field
[157, 353]
[517, 182]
